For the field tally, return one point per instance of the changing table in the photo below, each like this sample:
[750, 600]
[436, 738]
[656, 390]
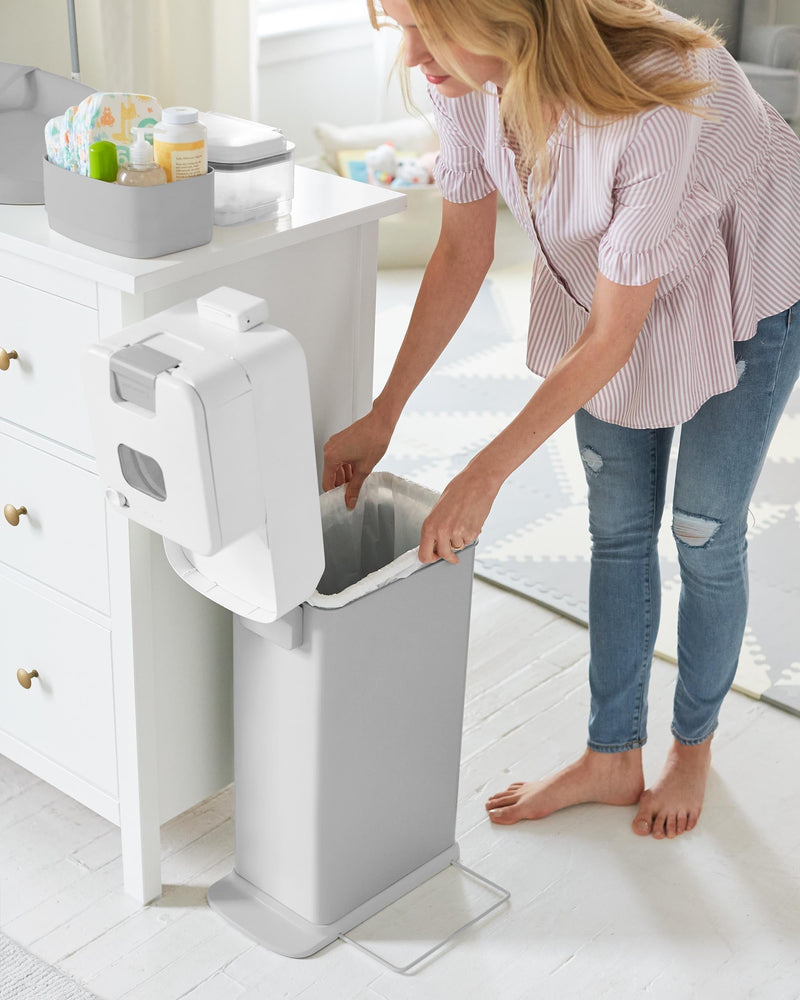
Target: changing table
[115, 679]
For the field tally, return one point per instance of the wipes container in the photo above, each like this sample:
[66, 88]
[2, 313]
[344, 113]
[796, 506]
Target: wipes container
[254, 166]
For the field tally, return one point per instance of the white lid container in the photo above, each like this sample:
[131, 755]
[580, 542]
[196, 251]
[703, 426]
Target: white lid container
[254, 164]
[238, 141]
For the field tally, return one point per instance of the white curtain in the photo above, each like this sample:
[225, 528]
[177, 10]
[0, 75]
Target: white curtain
[184, 52]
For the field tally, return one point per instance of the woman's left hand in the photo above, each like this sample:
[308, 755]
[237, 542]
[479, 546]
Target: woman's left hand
[457, 518]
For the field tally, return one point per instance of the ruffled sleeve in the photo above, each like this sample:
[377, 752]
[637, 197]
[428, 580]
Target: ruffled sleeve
[460, 171]
[654, 201]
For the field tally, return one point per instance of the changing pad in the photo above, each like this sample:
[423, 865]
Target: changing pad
[29, 98]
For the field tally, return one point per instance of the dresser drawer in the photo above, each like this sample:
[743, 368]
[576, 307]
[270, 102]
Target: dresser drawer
[67, 714]
[42, 388]
[61, 540]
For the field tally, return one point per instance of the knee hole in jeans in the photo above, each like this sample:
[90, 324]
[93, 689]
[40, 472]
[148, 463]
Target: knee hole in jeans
[592, 461]
[693, 530]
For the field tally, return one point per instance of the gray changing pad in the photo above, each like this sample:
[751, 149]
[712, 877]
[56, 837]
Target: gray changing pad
[29, 98]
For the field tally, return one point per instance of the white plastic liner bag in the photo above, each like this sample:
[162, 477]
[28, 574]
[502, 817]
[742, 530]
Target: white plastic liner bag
[374, 544]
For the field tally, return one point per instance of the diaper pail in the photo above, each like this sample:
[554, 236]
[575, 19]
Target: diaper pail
[349, 654]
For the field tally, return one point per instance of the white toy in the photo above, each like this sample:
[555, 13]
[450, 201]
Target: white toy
[381, 164]
[410, 171]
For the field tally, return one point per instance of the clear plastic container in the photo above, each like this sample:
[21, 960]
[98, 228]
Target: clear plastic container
[254, 170]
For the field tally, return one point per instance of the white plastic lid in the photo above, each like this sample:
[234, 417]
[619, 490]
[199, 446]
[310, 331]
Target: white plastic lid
[179, 116]
[237, 140]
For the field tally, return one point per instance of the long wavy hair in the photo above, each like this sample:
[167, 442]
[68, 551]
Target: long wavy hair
[573, 55]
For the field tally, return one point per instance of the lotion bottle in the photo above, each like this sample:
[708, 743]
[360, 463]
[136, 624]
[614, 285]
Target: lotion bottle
[179, 141]
[142, 171]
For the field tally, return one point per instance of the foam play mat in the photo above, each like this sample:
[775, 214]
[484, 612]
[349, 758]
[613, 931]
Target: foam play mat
[536, 539]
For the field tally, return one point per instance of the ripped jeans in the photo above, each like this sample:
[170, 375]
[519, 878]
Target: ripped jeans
[721, 453]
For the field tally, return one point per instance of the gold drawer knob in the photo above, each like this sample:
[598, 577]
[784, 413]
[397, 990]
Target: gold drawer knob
[13, 514]
[6, 358]
[25, 677]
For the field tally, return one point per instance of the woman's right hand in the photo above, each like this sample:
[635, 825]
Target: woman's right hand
[353, 453]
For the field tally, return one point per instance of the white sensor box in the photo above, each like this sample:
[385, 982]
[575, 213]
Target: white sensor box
[233, 309]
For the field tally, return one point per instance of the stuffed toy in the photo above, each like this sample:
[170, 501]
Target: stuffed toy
[411, 171]
[381, 164]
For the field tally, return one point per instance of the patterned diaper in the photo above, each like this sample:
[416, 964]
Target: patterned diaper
[57, 140]
[99, 117]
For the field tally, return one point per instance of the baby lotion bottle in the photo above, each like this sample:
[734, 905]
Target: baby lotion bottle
[142, 171]
[179, 141]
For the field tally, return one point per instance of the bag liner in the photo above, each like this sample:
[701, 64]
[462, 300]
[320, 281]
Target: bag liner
[374, 544]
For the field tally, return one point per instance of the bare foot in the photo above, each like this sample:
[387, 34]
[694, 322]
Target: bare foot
[672, 806]
[613, 778]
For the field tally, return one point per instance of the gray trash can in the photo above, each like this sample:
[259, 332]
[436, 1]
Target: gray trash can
[347, 747]
[348, 699]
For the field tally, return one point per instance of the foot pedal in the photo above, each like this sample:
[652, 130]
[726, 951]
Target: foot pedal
[505, 895]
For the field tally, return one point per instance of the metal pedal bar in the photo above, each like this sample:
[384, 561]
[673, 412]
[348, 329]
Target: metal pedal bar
[403, 969]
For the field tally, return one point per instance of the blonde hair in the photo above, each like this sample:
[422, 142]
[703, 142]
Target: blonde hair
[577, 55]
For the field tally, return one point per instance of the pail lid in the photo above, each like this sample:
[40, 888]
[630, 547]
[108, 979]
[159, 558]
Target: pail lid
[237, 140]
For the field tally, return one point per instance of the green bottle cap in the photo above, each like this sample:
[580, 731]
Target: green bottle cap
[103, 161]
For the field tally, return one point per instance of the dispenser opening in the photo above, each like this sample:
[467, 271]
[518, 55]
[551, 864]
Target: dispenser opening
[142, 472]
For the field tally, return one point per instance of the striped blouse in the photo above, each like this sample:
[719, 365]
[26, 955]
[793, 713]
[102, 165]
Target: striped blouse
[711, 206]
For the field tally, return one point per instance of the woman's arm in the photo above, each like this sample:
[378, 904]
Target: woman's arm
[452, 279]
[615, 319]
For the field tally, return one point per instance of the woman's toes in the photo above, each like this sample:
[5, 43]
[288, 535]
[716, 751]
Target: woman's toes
[496, 801]
[643, 824]
[509, 797]
[505, 815]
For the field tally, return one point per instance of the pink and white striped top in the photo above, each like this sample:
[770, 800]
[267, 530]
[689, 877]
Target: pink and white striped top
[711, 207]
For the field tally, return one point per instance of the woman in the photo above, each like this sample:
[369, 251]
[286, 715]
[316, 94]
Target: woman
[662, 197]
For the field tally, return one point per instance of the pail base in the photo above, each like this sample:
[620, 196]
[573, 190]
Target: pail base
[285, 932]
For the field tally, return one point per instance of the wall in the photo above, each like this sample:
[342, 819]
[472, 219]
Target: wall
[196, 52]
[726, 12]
[35, 32]
[334, 74]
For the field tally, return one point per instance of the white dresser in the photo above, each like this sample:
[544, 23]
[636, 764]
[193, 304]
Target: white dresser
[115, 681]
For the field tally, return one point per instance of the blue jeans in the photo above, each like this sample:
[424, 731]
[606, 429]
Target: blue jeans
[722, 451]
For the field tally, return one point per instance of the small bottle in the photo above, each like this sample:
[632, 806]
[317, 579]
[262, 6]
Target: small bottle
[142, 171]
[103, 161]
[179, 141]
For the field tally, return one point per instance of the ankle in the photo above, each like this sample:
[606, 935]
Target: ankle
[691, 752]
[630, 760]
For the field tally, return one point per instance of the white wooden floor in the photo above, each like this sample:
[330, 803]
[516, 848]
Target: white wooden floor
[595, 912]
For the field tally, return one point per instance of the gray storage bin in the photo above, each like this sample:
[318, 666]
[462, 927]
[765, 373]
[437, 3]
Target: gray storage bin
[347, 747]
[131, 221]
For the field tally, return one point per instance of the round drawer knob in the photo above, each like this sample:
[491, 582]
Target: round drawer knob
[13, 514]
[5, 358]
[25, 677]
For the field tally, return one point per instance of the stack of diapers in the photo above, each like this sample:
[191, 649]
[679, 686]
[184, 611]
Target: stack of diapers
[99, 117]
